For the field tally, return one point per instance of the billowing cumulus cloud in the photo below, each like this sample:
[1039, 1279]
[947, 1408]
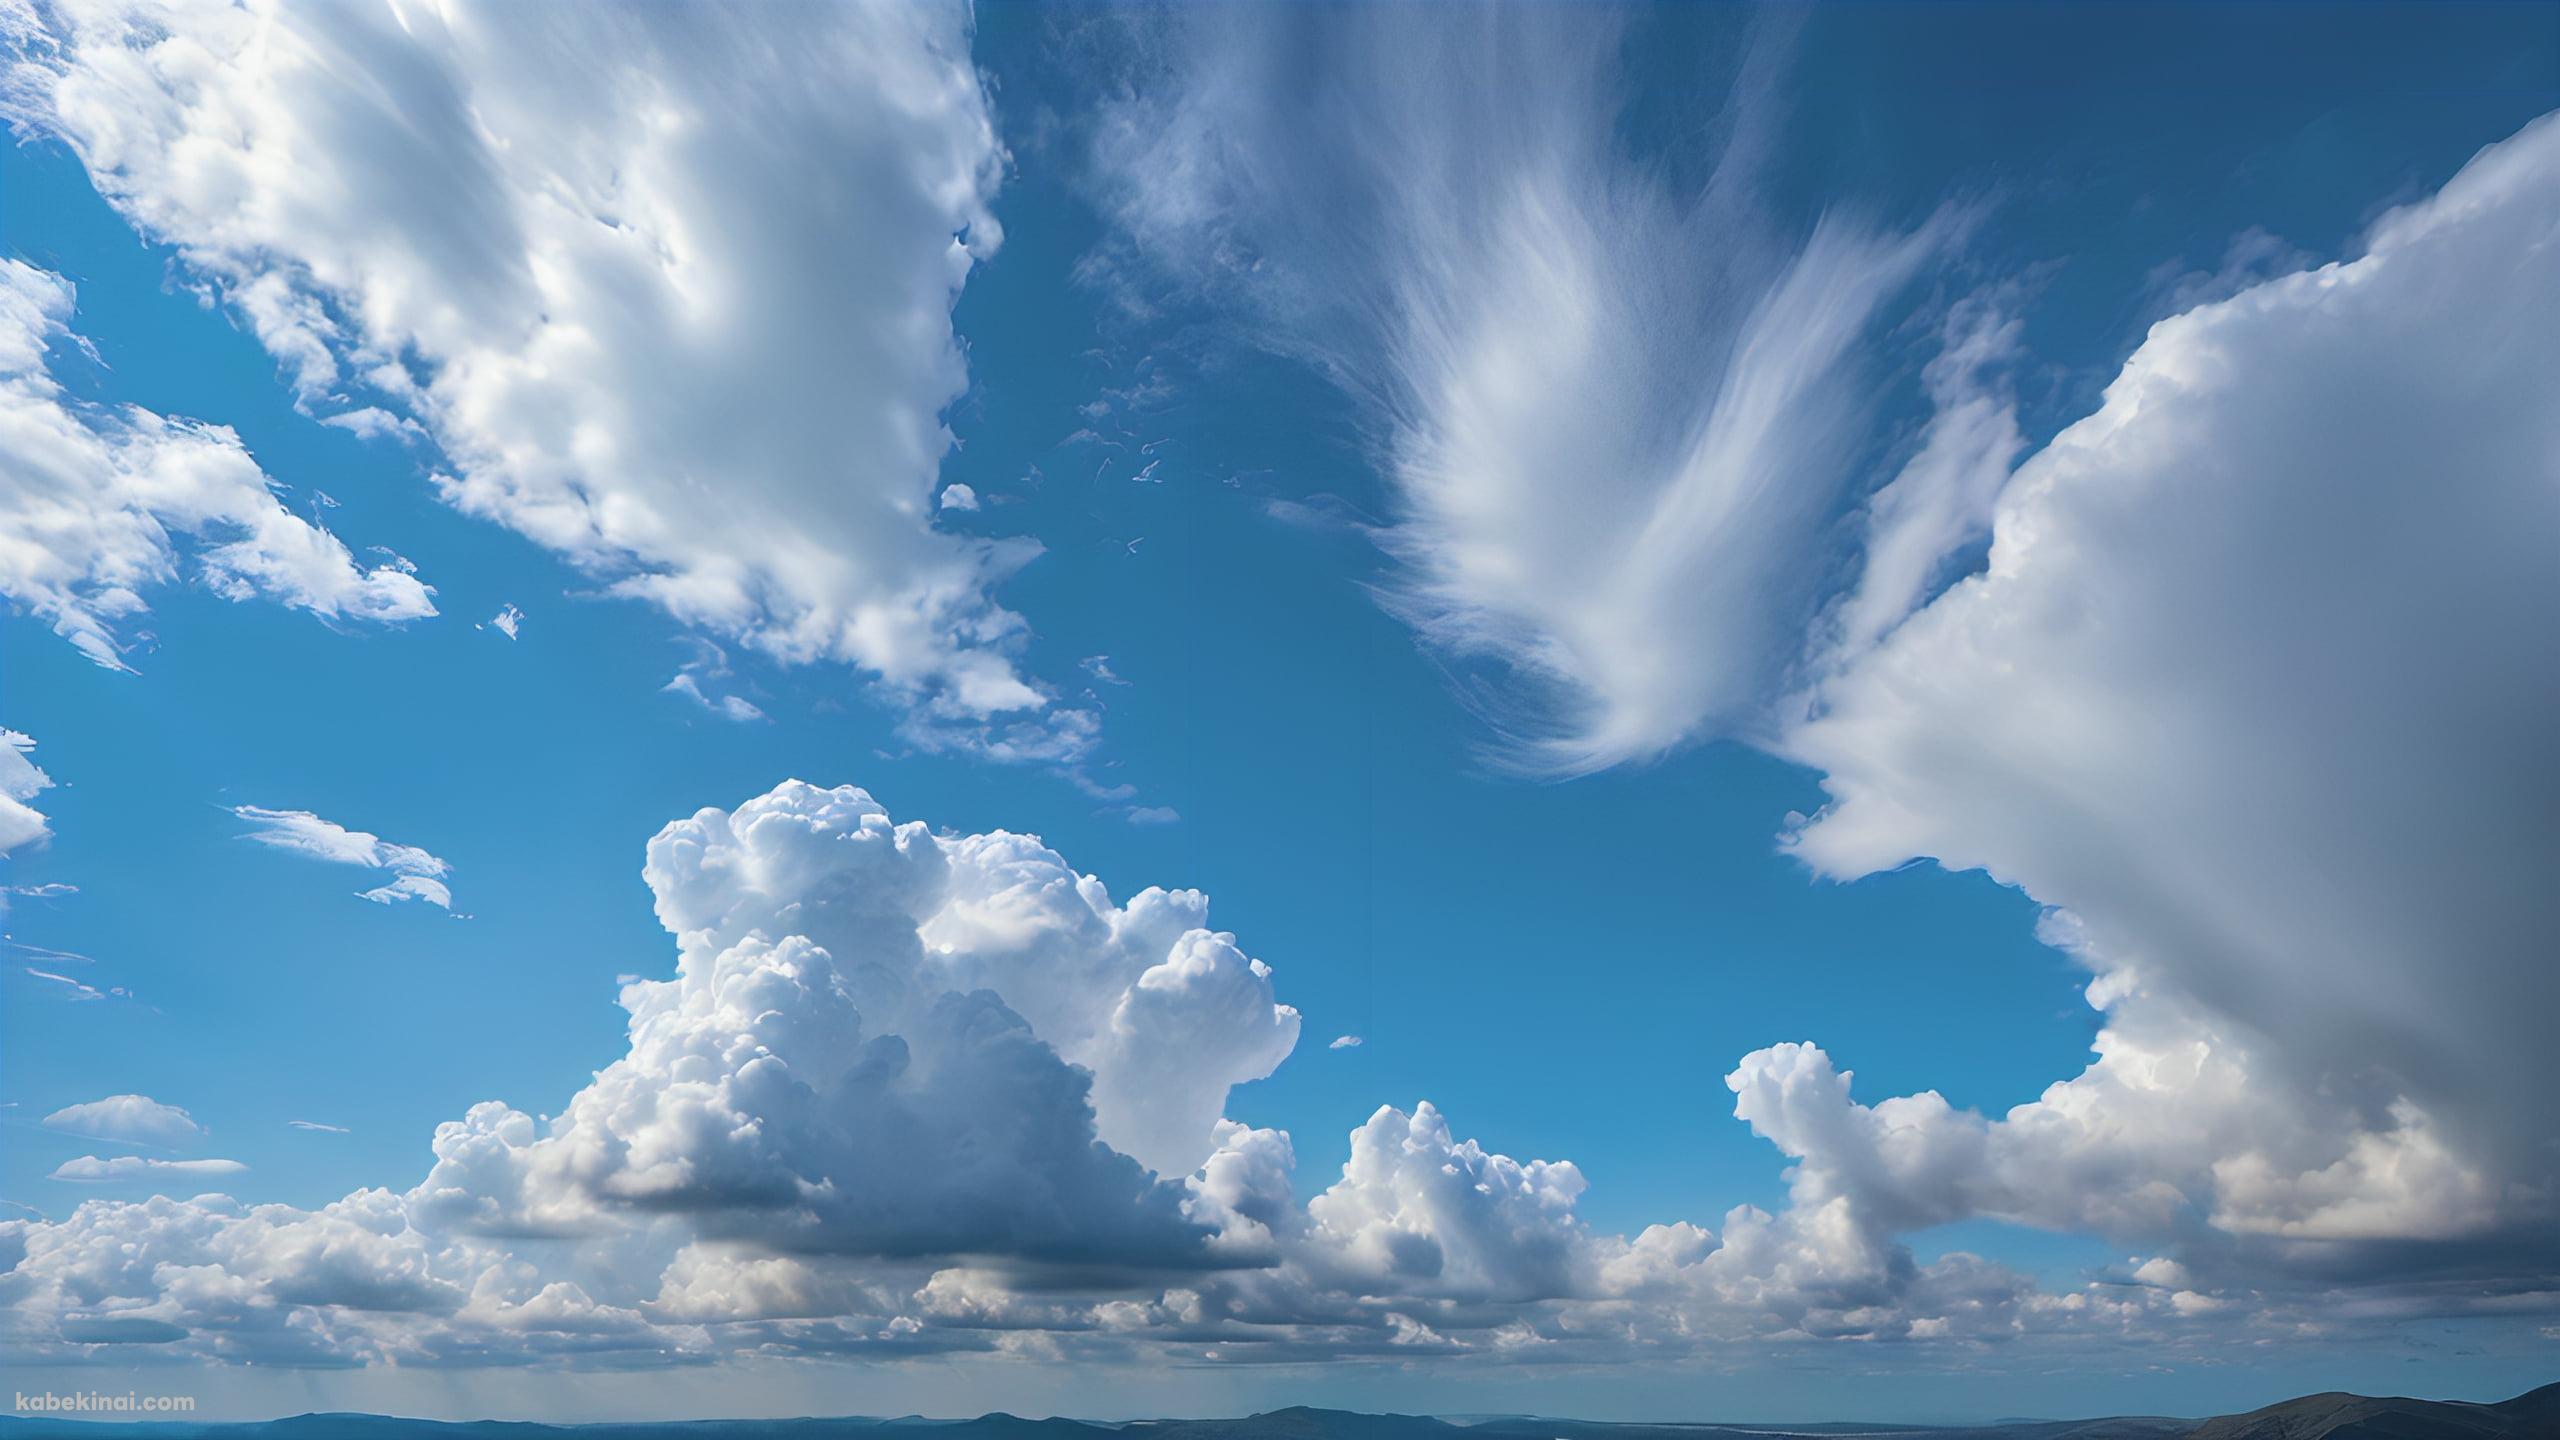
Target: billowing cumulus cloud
[499, 224]
[128, 1117]
[99, 504]
[1617, 413]
[912, 1094]
[2257, 689]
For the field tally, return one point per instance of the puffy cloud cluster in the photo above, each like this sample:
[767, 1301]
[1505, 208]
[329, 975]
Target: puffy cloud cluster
[905, 1094]
[2257, 689]
[95, 501]
[509, 227]
[1618, 415]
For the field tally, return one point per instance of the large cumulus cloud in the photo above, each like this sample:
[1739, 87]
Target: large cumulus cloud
[2258, 689]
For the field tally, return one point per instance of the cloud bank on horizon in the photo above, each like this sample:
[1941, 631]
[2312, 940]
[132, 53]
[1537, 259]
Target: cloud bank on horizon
[911, 1093]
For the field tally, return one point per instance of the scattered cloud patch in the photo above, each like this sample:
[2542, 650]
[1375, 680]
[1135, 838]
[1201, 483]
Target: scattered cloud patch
[104, 495]
[702, 681]
[425, 238]
[1346, 1042]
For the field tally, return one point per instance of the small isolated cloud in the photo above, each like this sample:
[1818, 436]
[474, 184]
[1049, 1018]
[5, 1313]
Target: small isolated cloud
[50, 890]
[1346, 1042]
[317, 1126]
[135, 1119]
[375, 423]
[20, 782]
[727, 707]
[956, 496]
[410, 887]
[1099, 667]
[416, 874]
[1152, 815]
[699, 680]
[90, 1170]
[75, 990]
[506, 622]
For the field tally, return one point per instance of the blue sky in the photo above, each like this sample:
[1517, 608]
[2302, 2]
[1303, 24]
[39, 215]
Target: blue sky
[1219, 421]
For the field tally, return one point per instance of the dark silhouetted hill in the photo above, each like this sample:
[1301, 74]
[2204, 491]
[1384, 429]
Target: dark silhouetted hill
[2534, 1415]
[2531, 1416]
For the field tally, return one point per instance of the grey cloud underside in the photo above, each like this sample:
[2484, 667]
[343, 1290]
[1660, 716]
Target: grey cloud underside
[895, 1100]
[2257, 690]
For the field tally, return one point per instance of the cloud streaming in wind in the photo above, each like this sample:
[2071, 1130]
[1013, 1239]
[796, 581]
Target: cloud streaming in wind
[1617, 414]
[415, 874]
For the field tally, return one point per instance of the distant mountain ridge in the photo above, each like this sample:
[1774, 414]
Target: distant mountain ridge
[2534, 1415]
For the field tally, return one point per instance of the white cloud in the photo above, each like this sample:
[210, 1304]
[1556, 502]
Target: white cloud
[508, 621]
[90, 1170]
[1617, 417]
[1419, 1213]
[304, 833]
[521, 229]
[416, 873]
[20, 782]
[136, 1118]
[1943, 496]
[410, 887]
[1346, 1042]
[902, 1095]
[956, 496]
[316, 1125]
[95, 500]
[2257, 686]
[688, 683]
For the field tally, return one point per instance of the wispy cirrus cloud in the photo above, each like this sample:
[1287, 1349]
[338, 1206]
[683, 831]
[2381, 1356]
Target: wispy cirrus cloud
[1617, 413]
[416, 874]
